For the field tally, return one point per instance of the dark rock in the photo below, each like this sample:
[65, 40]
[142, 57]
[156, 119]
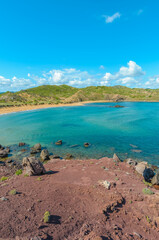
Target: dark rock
[116, 158]
[59, 142]
[148, 174]
[44, 155]
[54, 157]
[2, 163]
[86, 144]
[155, 179]
[131, 162]
[21, 144]
[118, 106]
[12, 164]
[34, 151]
[4, 153]
[69, 156]
[33, 166]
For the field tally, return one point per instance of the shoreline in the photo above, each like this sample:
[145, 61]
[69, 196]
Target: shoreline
[15, 109]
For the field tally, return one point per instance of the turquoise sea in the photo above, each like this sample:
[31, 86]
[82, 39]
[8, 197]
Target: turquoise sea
[107, 129]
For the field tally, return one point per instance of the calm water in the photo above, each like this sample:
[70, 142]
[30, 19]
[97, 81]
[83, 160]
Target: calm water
[108, 130]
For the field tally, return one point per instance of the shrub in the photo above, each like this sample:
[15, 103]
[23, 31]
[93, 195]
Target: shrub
[147, 191]
[147, 183]
[3, 178]
[47, 217]
[13, 192]
[18, 172]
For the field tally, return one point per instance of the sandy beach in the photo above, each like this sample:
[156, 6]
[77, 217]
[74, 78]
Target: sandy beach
[5, 110]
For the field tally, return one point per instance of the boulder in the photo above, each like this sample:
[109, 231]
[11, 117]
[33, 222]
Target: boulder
[21, 144]
[59, 142]
[86, 144]
[155, 179]
[33, 166]
[131, 162]
[141, 167]
[116, 158]
[37, 147]
[44, 155]
[118, 106]
[4, 153]
[148, 174]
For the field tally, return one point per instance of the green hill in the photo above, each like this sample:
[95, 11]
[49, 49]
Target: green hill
[52, 94]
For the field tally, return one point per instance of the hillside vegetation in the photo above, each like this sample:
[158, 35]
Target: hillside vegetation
[52, 94]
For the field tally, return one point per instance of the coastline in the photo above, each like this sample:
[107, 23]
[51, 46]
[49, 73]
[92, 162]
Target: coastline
[14, 109]
[5, 110]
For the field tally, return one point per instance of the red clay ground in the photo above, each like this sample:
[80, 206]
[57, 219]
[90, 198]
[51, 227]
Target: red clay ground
[80, 208]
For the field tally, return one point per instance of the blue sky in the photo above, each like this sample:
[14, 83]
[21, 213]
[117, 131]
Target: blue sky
[79, 43]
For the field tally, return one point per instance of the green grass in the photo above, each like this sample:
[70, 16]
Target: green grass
[3, 179]
[147, 183]
[39, 179]
[147, 191]
[52, 94]
[19, 172]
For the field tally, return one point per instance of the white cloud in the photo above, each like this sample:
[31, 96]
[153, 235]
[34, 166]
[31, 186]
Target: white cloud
[153, 82]
[131, 75]
[110, 19]
[126, 75]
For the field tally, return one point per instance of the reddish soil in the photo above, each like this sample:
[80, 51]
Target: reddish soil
[80, 208]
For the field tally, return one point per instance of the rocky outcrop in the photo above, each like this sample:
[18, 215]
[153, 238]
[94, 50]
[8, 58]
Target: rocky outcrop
[148, 174]
[131, 162]
[141, 167]
[32, 166]
[44, 155]
[155, 179]
[116, 158]
[4, 152]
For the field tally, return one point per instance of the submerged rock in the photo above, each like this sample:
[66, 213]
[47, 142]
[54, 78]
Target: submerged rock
[155, 179]
[32, 166]
[44, 155]
[59, 142]
[148, 174]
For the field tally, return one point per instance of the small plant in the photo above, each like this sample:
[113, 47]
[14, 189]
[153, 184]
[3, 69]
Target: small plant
[13, 192]
[147, 191]
[147, 183]
[130, 201]
[148, 219]
[18, 172]
[26, 175]
[3, 179]
[116, 179]
[39, 179]
[47, 217]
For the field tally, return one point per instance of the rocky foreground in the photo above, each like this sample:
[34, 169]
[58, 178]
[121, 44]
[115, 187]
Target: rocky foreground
[79, 199]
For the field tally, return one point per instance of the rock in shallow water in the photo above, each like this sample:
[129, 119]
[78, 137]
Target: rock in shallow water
[44, 155]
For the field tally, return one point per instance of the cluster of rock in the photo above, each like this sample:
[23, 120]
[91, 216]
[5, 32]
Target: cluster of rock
[4, 151]
[145, 170]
